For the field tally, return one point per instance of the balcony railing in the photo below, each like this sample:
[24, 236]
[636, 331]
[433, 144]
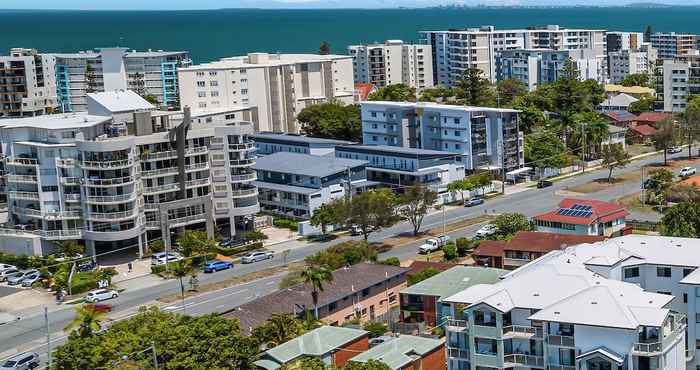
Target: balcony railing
[560, 367]
[65, 162]
[160, 172]
[245, 146]
[112, 198]
[458, 325]
[521, 331]
[17, 161]
[187, 219]
[246, 177]
[112, 182]
[244, 193]
[459, 353]
[242, 162]
[70, 181]
[23, 195]
[22, 178]
[647, 349]
[517, 359]
[107, 164]
[561, 340]
[161, 188]
[60, 234]
[114, 215]
[71, 197]
[198, 182]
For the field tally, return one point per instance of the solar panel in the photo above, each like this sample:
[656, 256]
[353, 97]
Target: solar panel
[579, 211]
[581, 207]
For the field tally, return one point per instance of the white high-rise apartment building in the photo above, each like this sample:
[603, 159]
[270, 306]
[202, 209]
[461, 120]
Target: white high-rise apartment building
[627, 303]
[27, 84]
[109, 69]
[393, 62]
[77, 176]
[673, 45]
[454, 51]
[278, 85]
[681, 79]
[625, 62]
[535, 67]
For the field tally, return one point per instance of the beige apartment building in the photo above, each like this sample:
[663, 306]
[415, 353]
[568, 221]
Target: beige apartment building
[27, 84]
[279, 85]
[393, 62]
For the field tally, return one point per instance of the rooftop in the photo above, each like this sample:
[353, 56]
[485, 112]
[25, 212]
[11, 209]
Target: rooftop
[305, 164]
[455, 280]
[121, 101]
[55, 121]
[399, 352]
[317, 343]
[414, 152]
[653, 116]
[619, 100]
[532, 241]
[584, 212]
[294, 138]
[644, 130]
[621, 116]
[431, 105]
[634, 90]
[253, 60]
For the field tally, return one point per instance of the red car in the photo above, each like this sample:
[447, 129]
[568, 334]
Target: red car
[100, 307]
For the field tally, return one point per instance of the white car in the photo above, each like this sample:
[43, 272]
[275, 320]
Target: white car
[4, 266]
[166, 259]
[9, 272]
[687, 171]
[256, 256]
[101, 295]
[486, 230]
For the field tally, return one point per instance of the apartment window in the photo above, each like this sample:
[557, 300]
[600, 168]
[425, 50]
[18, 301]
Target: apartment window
[244, 91]
[632, 272]
[332, 306]
[214, 93]
[202, 104]
[201, 84]
[201, 94]
[365, 292]
[663, 272]
[213, 83]
[662, 292]
[212, 73]
[374, 114]
[243, 71]
[200, 74]
[244, 80]
[685, 297]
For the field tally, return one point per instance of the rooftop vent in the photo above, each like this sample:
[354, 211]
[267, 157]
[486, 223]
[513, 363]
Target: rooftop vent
[535, 294]
[557, 312]
[594, 302]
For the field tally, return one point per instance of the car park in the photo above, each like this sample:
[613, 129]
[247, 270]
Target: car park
[687, 171]
[216, 265]
[471, 202]
[4, 266]
[29, 280]
[544, 184]
[23, 361]
[98, 295]
[17, 277]
[257, 256]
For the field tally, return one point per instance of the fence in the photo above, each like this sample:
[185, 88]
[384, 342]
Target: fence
[643, 225]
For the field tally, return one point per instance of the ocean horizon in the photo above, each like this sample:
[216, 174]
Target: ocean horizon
[212, 34]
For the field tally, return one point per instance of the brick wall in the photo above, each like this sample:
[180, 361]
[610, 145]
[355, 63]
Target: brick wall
[350, 350]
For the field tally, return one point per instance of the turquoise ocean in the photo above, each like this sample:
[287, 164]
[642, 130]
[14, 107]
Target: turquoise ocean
[212, 34]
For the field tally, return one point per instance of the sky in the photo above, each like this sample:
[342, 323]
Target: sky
[272, 4]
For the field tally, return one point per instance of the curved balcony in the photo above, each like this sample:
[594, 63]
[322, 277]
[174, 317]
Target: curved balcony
[71, 197]
[198, 182]
[244, 193]
[26, 179]
[106, 165]
[245, 210]
[169, 154]
[187, 220]
[118, 181]
[60, 234]
[48, 215]
[65, 162]
[113, 216]
[108, 235]
[70, 181]
[242, 147]
[174, 171]
[241, 162]
[244, 178]
[161, 188]
[110, 199]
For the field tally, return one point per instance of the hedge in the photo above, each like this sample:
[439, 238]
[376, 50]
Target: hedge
[284, 223]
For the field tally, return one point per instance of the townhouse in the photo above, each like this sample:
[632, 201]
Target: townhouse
[484, 138]
[279, 86]
[407, 352]
[78, 177]
[456, 50]
[584, 217]
[563, 311]
[393, 62]
[27, 84]
[107, 69]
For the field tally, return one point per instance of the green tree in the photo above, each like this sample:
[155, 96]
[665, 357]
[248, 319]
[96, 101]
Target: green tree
[87, 321]
[508, 90]
[324, 48]
[474, 89]
[156, 246]
[507, 224]
[595, 130]
[659, 185]
[331, 120]
[196, 243]
[449, 251]
[395, 92]
[464, 246]
[438, 94]
[614, 156]
[68, 248]
[636, 79]
[644, 104]
[369, 365]
[422, 275]
[691, 121]
[391, 261]
[544, 149]
[370, 211]
[375, 329]
[254, 235]
[682, 220]
[278, 329]
[458, 186]
[323, 216]
[531, 116]
[151, 99]
[316, 277]
[665, 137]
[180, 270]
[415, 203]
[305, 363]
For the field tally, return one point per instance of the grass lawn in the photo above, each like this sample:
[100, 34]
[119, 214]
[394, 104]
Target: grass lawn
[633, 203]
[639, 149]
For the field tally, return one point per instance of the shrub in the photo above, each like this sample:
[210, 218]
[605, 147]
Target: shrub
[254, 235]
[158, 269]
[284, 223]
[449, 251]
[440, 332]
[155, 246]
[392, 261]
[375, 329]
[464, 246]
[417, 278]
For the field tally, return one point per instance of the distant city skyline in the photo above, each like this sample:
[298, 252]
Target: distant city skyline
[281, 4]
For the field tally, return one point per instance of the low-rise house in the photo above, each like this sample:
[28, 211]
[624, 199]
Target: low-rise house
[636, 91]
[621, 118]
[584, 217]
[524, 247]
[407, 352]
[616, 135]
[422, 302]
[294, 184]
[641, 134]
[366, 291]
[399, 166]
[332, 345]
[616, 103]
[273, 142]
[653, 118]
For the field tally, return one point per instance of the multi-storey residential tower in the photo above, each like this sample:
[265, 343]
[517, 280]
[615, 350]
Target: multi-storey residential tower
[673, 45]
[393, 62]
[535, 67]
[485, 138]
[279, 85]
[681, 79]
[27, 84]
[454, 51]
[631, 61]
[108, 69]
[618, 41]
[75, 176]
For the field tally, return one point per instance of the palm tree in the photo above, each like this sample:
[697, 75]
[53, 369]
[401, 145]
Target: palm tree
[316, 276]
[87, 320]
[278, 329]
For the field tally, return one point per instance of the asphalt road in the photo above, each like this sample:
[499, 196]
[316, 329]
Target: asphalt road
[30, 332]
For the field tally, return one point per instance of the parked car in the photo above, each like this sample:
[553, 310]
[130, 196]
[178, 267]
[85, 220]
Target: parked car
[23, 361]
[87, 266]
[544, 184]
[5, 273]
[4, 266]
[687, 171]
[101, 295]
[100, 307]
[486, 231]
[166, 259]
[471, 202]
[17, 277]
[226, 242]
[29, 280]
[257, 256]
[355, 230]
[433, 244]
[674, 150]
[216, 265]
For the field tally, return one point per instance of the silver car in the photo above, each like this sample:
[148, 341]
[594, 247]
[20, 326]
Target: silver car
[23, 361]
[30, 279]
[4, 266]
[17, 277]
[7, 273]
[257, 256]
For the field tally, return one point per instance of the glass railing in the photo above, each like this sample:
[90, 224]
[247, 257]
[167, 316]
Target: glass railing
[17, 161]
[524, 360]
[107, 164]
[22, 178]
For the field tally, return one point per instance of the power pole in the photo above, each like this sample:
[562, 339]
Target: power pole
[155, 356]
[643, 187]
[48, 336]
[583, 149]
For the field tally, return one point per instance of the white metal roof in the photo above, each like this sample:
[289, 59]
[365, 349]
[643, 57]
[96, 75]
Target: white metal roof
[55, 121]
[121, 101]
[431, 105]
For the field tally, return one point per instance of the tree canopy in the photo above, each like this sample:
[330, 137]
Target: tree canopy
[331, 120]
[395, 92]
[614, 156]
[507, 224]
[544, 149]
[636, 79]
[682, 220]
[415, 203]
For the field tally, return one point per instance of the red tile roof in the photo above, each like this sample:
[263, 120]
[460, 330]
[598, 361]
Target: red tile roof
[621, 116]
[600, 212]
[653, 116]
[644, 130]
[533, 241]
[363, 90]
[493, 248]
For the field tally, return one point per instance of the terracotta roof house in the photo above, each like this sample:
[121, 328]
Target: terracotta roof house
[652, 118]
[407, 352]
[420, 266]
[584, 217]
[640, 133]
[621, 118]
[365, 290]
[333, 345]
[525, 247]
[362, 91]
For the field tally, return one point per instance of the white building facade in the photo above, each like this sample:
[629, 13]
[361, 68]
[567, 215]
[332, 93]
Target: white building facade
[535, 67]
[393, 62]
[108, 69]
[672, 45]
[631, 61]
[681, 79]
[27, 84]
[279, 86]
